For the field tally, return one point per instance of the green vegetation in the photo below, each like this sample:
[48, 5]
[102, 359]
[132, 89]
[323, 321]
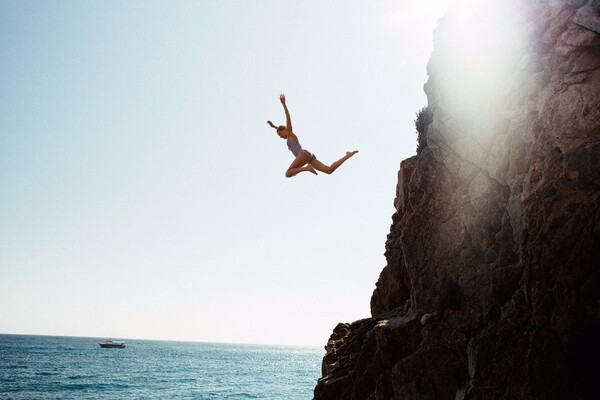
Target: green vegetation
[424, 118]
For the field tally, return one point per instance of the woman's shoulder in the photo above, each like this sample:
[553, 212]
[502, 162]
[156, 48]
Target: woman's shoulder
[292, 136]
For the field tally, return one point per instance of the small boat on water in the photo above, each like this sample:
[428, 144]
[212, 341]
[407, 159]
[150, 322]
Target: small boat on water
[112, 344]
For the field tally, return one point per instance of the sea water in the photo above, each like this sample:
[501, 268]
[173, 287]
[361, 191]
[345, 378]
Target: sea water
[51, 367]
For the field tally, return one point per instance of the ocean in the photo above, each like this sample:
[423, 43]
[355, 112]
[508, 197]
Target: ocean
[53, 367]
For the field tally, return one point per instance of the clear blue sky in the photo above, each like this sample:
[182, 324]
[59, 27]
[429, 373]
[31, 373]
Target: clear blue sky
[142, 193]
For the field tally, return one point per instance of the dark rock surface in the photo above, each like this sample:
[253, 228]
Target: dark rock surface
[492, 283]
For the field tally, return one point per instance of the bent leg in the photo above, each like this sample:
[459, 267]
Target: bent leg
[328, 169]
[300, 164]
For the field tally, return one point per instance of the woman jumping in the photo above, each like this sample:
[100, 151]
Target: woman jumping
[305, 160]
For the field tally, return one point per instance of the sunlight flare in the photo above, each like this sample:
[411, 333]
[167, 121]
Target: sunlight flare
[486, 46]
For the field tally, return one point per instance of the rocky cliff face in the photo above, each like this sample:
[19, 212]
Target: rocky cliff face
[492, 283]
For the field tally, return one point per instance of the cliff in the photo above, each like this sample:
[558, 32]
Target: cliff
[492, 288]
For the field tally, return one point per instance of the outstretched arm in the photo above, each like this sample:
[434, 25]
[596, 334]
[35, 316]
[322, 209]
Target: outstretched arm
[287, 114]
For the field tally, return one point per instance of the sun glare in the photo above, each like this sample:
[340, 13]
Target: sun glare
[480, 46]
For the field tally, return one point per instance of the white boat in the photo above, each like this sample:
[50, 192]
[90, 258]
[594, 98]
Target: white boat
[112, 344]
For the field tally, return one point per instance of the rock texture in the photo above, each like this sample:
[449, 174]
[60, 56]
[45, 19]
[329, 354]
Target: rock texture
[492, 283]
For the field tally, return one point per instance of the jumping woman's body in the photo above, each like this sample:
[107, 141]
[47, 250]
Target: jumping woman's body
[305, 160]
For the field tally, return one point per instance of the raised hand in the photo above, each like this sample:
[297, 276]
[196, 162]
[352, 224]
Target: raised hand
[282, 98]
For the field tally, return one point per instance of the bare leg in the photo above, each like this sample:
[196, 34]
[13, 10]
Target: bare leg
[300, 164]
[328, 169]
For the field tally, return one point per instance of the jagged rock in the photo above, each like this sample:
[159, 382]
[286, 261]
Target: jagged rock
[426, 317]
[391, 291]
[492, 283]
[588, 17]
[576, 3]
[578, 36]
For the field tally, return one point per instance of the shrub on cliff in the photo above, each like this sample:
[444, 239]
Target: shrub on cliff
[424, 118]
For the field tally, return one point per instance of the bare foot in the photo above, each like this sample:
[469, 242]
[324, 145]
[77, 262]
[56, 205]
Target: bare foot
[309, 168]
[351, 153]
